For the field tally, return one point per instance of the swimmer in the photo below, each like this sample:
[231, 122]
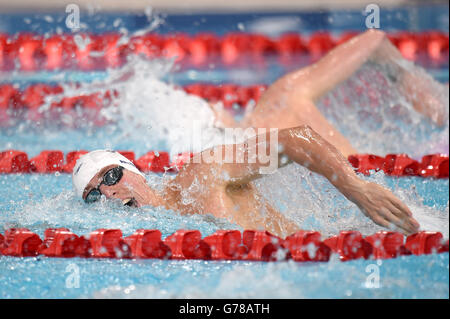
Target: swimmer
[290, 101]
[224, 189]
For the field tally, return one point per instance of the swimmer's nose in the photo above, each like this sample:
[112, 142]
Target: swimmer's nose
[109, 192]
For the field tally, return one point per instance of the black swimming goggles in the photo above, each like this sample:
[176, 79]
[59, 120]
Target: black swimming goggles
[111, 177]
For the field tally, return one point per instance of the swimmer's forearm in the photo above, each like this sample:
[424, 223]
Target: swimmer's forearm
[308, 148]
[305, 147]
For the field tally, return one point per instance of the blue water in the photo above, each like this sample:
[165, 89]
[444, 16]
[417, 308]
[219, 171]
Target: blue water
[405, 277]
[42, 201]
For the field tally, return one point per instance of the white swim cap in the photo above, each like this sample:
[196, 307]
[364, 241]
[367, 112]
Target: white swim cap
[91, 163]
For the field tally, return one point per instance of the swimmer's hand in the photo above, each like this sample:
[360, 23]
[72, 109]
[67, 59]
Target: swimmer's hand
[383, 207]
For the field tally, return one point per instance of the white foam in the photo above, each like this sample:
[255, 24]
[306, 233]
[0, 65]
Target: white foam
[386, 121]
[159, 113]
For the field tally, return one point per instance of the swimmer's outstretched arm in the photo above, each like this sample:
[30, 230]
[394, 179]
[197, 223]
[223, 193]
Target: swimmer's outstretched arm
[336, 66]
[343, 61]
[305, 147]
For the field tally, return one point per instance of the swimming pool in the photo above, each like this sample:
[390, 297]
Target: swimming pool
[43, 201]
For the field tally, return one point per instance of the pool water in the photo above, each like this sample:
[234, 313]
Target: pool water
[405, 277]
[38, 201]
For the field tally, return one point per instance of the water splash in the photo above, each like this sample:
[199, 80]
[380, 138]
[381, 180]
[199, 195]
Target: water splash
[314, 204]
[385, 121]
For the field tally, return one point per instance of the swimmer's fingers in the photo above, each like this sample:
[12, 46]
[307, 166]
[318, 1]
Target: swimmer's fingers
[395, 211]
[408, 221]
[383, 217]
[374, 214]
[402, 207]
[379, 220]
[385, 209]
[396, 222]
[402, 211]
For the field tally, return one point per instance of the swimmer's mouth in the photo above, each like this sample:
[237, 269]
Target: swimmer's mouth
[131, 202]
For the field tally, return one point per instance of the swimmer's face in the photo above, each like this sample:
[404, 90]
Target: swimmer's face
[118, 183]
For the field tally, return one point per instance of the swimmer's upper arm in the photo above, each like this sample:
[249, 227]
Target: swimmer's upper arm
[238, 164]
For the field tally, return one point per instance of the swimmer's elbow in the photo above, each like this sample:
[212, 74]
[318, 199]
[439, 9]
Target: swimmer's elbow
[376, 34]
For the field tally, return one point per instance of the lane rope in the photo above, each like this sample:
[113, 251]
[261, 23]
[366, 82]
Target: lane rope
[36, 95]
[32, 52]
[222, 245]
[52, 161]
[28, 102]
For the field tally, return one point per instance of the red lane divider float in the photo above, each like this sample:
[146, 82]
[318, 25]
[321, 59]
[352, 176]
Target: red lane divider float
[434, 165]
[14, 162]
[222, 245]
[349, 245]
[147, 244]
[31, 52]
[50, 161]
[426, 243]
[188, 244]
[21, 242]
[226, 244]
[387, 245]
[307, 246]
